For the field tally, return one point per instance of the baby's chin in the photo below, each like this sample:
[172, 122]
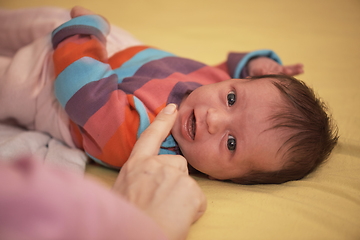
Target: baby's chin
[176, 129]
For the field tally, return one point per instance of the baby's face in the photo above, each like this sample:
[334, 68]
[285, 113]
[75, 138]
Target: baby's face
[223, 128]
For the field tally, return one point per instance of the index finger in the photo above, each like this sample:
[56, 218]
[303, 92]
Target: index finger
[150, 140]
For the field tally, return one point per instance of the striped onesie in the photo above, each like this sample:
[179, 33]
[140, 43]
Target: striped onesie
[111, 101]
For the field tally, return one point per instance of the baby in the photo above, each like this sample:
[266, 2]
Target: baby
[234, 122]
[265, 129]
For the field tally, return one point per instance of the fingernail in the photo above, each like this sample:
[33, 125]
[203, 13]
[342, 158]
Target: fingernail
[169, 109]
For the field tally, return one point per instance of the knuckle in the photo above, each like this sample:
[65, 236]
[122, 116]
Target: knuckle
[183, 164]
[188, 182]
[181, 158]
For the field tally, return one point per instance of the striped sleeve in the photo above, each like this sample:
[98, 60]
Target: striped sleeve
[87, 24]
[107, 118]
[237, 62]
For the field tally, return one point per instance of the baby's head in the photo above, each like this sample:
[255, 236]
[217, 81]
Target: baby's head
[268, 129]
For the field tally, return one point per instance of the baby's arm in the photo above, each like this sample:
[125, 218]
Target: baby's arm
[87, 88]
[260, 62]
[263, 65]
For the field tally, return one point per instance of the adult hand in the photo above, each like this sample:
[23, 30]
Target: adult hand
[160, 184]
[263, 65]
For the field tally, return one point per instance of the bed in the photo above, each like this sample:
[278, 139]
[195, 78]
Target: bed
[323, 35]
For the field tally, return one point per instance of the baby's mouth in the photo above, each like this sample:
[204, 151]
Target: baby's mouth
[191, 125]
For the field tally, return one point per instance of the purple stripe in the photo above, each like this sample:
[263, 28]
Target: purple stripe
[233, 61]
[158, 69]
[90, 98]
[74, 30]
[180, 89]
[244, 72]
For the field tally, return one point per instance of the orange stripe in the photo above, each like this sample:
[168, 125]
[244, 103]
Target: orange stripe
[76, 135]
[71, 52]
[158, 110]
[121, 57]
[117, 150]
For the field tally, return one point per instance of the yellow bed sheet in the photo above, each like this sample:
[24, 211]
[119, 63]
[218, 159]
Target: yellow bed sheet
[325, 37]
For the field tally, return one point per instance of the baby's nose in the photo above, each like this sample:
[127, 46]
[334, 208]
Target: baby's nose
[214, 120]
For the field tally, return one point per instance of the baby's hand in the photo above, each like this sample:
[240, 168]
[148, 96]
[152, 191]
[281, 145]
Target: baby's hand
[78, 11]
[263, 65]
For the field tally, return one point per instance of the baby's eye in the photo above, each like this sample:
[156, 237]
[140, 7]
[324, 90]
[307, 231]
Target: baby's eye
[231, 143]
[231, 98]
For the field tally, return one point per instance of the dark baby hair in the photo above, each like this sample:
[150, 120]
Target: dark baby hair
[312, 134]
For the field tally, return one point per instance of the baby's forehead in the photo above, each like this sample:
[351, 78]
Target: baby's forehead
[274, 157]
[273, 87]
[267, 140]
[263, 81]
[273, 82]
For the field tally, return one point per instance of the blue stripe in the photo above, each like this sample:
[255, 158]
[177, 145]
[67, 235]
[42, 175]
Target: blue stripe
[144, 118]
[168, 143]
[130, 67]
[259, 53]
[87, 20]
[77, 75]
